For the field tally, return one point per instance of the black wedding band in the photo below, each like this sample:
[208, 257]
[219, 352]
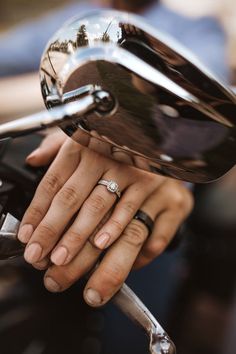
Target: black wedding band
[146, 220]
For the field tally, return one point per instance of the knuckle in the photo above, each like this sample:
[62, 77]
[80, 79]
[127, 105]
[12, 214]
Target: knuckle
[117, 225]
[183, 200]
[155, 248]
[73, 239]
[51, 183]
[68, 196]
[129, 207]
[135, 234]
[178, 198]
[112, 276]
[96, 204]
[35, 212]
[70, 276]
[65, 276]
[47, 231]
[73, 272]
[160, 244]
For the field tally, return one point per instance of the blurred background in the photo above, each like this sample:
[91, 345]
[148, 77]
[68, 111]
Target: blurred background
[13, 12]
[203, 316]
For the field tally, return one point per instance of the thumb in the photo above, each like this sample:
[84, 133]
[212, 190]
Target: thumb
[47, 150]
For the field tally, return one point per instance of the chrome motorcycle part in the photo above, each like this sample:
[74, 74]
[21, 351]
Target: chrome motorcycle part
[171, 110]
[94, 100]
[132, 306]
[10, 246]
[155, 100]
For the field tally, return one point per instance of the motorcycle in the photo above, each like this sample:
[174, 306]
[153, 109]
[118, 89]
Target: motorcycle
[110, 76]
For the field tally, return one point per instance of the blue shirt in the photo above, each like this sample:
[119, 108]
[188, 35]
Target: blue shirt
[21, 48]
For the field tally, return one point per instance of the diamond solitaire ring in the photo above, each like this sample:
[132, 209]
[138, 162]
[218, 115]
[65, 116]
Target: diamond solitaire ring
[112, 186]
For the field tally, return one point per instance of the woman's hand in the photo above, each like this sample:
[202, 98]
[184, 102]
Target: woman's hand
[69, 220]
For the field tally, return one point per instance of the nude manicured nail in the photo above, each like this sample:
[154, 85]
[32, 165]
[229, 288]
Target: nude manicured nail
[33, 253]
[93, 297]
[51, 285]
[102, 240]
[25, 233]
[32, 155]
[59, 256]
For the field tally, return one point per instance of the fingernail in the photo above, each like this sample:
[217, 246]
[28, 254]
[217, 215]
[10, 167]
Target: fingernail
[51, 285]
[59, 256]
[25, 233]
[93, 297]
[102, 240]
[32, 155]
[33, 253]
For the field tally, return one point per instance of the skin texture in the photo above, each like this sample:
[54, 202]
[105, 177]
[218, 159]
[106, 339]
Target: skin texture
[72, 220]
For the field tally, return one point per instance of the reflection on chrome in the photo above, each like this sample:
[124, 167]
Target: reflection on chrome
[162, 107]
[171, 110]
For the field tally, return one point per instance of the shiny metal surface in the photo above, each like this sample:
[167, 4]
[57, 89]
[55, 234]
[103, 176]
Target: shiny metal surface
[86, 101]
[9, 244]
[133, 307]
[125, 299]
[171, 110]
[154, 101]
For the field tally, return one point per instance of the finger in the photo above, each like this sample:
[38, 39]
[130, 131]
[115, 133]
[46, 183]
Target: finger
[169, 206]
[96, 206]
[61, 169]
[116, 265]
[42, 265]
[123, 213]
[47, 150]
[165, 228]
[64, 205]
[60, 278]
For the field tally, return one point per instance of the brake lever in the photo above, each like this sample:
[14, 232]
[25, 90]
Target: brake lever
[133, 307]
[125, 299]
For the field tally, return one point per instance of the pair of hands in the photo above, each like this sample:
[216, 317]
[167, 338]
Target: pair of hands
[72, 220]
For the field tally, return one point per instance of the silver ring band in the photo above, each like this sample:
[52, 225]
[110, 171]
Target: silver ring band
[111, 185]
